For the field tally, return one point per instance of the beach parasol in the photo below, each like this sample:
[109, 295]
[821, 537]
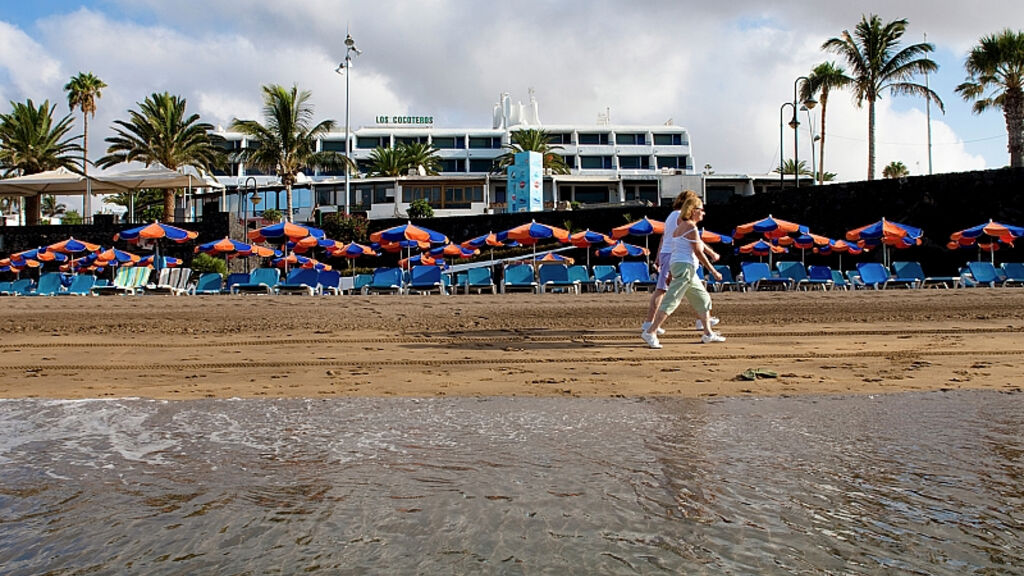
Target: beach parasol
[642, 227]
[588, 238]
[761, 248]
[534, 232]
[156, 232]
[351, 251]
[454, 250]
[553, 258]
[804, 241]
[839, 247]
[408, 232]
[996, 232]
[621, 249]
[282, 232]
[887, 233]
[490, 240]
[773, 229]
[421, 260]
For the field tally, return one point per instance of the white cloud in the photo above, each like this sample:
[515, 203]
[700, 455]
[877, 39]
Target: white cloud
[720, 69]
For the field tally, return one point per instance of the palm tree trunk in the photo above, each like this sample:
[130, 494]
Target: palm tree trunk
[821, 144]
[288, 195]
[1013, 107]
[871, 139]
[87, 200]
[169, 195]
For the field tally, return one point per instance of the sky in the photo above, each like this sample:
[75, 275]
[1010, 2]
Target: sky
[720, 69]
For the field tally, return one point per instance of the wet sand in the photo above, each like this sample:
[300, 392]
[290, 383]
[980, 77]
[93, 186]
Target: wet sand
[508, 345]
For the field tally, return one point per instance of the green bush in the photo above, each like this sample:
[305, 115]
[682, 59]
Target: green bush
[203, 263]
[346, 227]
[420, 209]
[273, 215]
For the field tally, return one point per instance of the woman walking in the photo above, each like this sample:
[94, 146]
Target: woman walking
[687, 254]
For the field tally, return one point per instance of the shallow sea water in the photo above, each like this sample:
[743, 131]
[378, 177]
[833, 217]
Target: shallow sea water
[910, 484]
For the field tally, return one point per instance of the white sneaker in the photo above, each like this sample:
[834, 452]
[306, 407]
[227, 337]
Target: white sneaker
[646, 325]
[651, 339]
[700, 325]
[713, 337]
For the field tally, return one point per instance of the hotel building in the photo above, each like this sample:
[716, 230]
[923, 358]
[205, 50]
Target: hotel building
[610, 164]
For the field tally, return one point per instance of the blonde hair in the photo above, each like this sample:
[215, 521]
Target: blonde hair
[690, 203]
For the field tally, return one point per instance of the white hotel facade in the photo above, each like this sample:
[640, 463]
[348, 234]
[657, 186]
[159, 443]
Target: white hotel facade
[610, 164]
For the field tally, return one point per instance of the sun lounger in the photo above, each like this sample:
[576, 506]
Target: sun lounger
[480, 279]
[233, 279]
[519, 277]
[171, 281]
[728, 282]
[820, 276]
[208, 283]
[81, 285]
[261, 281]
[425, 279]
[49, 285]
[385, 280]
[913, 271]
[757, 276]
[839, 281]
[299, 281]
[129, 280]
[1014, 272]
[874, 275]
[581, 276]
[555, 278]
[329, 282]
[636, 275]
[795, 271]
[606, 278]
[984, 273]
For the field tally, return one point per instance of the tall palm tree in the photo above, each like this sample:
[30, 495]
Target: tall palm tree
[996, 65]
[159, 132]
[895, 170]
[878, 63]
[30, 142]
[399, 161]
[532, 140]
[823, 78]
[790, 167]
[287, 143]
[51, 208]
[83, 90]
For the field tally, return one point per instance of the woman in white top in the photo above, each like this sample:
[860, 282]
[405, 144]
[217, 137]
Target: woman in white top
[664, 262]
[687, 254]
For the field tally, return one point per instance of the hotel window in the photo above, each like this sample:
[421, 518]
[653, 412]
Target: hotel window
[596, 163]
[452, 165]
[380, 193]
[634, 162]
[484, 142]
[399, 140]
[593, 139]
[444, 142]
[480, 164]
[371, 142]
[630, 139]
[560, 138]
[332, 145]
[668, 139]
[677, 162]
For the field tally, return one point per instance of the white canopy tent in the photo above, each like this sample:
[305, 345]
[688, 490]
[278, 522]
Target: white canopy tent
[64, 182]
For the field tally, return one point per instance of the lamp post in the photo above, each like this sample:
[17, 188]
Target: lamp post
[814, 138]
[782, 155]
[343, 67]
[809, 103]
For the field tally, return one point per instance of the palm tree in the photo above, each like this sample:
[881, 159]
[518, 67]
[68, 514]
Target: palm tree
[532, 140]
[418, 154]
[878, 63]
[51, 208]
[146, 204]
[30, 143]
[895, 170]
[83, 90]
[822, 79]
[160, 133]
[287, 143]
[387, 162]
[996, 65]
[788, 167]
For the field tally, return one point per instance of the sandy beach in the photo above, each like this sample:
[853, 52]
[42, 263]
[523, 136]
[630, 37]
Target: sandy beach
[167, 347]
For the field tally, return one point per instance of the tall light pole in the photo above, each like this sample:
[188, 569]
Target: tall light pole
[810, 102]
[346, 66]
[814, 138]
[782, 154]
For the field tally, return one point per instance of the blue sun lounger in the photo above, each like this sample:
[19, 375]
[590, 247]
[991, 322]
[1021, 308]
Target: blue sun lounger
[261, 281]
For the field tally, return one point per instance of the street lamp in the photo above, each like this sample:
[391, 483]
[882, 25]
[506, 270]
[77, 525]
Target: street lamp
[345, 66]
[814, 140]
[795, 124]
[782, 155]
